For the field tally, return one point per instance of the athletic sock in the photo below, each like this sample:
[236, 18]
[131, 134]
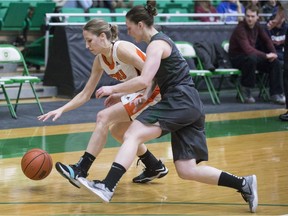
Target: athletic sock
[149, 160]
[114, 175]
[86, 161]
[232, 181]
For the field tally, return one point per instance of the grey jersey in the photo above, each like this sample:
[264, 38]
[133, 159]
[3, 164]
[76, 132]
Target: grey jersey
[173, 70]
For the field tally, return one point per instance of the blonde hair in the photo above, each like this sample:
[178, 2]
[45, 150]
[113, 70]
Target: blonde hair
[98, 26]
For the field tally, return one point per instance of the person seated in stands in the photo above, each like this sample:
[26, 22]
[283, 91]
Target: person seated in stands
[278, 35]
[85, 4]
[112, 4]
[245, 56]
[205, 7]
[253, 2]
[231, 7]
[104, 4]
[269, 8]
[123, 3]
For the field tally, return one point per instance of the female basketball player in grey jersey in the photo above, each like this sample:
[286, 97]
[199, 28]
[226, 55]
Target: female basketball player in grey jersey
[180, 112]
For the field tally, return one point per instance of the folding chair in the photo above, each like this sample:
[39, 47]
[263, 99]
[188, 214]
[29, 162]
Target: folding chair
[34, 52]
[10, 54]
[3, 82]
[230, 73]
[262, 83]
[187, 50]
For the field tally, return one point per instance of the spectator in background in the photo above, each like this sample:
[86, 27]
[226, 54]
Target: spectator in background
[245, 56]
[283, 12]
[277, 35]
[85, 4]
[231, 7]
[268, 8]
[104, 4]
[112, 4]
[254, 2]
[205, 7]
[123, 3]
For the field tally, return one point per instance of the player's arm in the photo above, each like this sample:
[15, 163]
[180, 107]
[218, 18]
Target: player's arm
[155, 52]
[127, 53]
[81, 97]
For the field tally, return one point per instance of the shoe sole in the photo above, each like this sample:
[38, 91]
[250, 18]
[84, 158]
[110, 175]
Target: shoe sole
[255, 201]
[66, 175]
[160, 175]
[86, 185]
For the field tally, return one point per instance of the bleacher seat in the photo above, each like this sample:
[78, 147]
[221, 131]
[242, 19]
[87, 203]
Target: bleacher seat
[101, 11]
[38, 17]
[123, 11]
[76, 19]
[178, 11]
[14, 18]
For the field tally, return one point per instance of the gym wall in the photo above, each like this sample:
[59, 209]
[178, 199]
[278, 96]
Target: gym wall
[69, 63]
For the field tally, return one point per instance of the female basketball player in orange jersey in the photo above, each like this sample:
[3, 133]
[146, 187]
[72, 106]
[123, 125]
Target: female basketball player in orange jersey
[121, 60]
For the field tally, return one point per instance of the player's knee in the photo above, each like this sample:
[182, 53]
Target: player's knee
[186, 173]
[102, 118]
[183, 175]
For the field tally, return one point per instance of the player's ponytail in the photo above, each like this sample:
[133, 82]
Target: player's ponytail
[114, 32]
[140, 13]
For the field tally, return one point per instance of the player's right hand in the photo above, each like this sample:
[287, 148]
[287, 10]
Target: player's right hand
[55, 114]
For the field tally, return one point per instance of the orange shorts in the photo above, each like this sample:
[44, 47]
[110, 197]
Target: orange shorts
[129, 106]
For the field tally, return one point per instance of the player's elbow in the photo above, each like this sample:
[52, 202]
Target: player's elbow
[144, 83]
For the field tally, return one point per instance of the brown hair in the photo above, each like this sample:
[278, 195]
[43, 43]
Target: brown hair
[252, 7]
[98, 26]
[143, 13]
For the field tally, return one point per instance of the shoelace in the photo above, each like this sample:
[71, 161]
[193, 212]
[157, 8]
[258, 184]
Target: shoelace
[76, 167]
[138, 163]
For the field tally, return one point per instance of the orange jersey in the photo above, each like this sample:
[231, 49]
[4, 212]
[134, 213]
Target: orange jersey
[123, 72]
[118, 69]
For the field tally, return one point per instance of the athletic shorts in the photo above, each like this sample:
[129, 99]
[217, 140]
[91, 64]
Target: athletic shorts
[181, 113]
[127, 101]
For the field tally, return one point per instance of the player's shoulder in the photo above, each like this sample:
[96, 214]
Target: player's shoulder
[125, 48]
[123, 43]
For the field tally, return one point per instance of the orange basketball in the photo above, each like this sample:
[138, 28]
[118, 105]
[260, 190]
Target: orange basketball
[36, 164]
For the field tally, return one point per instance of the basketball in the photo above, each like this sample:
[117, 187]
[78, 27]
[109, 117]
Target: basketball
[36, 164]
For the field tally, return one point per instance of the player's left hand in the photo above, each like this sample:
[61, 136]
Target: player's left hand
[138, 102]
[112, 99]
[104, 91]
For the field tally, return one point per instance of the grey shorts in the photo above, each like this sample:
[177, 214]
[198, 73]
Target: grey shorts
[181, 113]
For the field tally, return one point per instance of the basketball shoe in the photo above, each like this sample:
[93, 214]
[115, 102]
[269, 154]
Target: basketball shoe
[150, 174]
[97, 187]
[249, 192]
[71, 172]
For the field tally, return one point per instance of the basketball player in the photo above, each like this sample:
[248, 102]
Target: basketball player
[180, 112]
[122, 60]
